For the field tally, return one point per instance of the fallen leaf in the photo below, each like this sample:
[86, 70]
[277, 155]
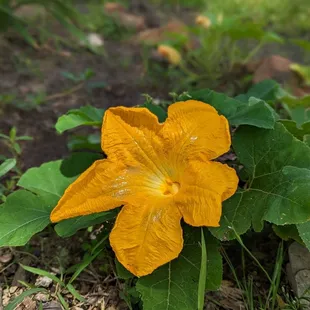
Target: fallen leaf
[228, 296]
[123, 17]
[274, 67]
[53, 305]
[167, 32]
[43, 281]
[110, 7]
[27, 304]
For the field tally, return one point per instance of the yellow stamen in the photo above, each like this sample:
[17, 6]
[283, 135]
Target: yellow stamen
[171, 188]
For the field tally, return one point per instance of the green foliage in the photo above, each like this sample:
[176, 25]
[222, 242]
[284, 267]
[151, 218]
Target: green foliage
[254, 112]
[175, 285]
[273, 164]
[61, 11]
[202, 274]
[267, 90]
[99, 22]
[122, 272]
[298, 132]
[23, 215]
[20, 298]
[89, 142]
[277, 181]
[69, 227]
[83, 76]
[7, 165]
[304, 233]
[85, 116]
[155, 109]
[226, 43]
[287, 232]
[273, 14]
[27, 212]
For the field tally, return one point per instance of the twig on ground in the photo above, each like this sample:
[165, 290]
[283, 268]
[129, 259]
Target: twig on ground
[65, 93]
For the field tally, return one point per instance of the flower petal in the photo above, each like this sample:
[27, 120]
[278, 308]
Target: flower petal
[147, 237]
[90, 193]
[130, 135]
[204, 186]
[194, 129]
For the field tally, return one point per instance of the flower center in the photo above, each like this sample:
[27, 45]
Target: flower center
[171, 188]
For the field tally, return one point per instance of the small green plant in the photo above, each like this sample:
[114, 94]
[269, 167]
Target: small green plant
[11, 141]
[63, 12]
[99, 22]
[64, 282]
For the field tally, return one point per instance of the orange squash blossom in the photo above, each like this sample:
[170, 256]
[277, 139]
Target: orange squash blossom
[160, 173]
[170, 53]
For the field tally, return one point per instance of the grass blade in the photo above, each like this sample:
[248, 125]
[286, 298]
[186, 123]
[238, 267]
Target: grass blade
[63, 302]
[42, 272]
[75, 293]
[203, 273]
[13, 304]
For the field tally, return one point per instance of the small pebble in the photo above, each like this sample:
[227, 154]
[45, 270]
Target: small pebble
[41, 297]
[6, 258]
[13, 289]
[43, 281]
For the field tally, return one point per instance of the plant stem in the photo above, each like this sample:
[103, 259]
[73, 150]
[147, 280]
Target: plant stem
[65, 93]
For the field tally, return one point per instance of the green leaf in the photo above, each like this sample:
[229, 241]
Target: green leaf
[55, 176]
[236, 214]
[122, 272]
[20, 298]
[298, 132]
[75, 293]
[270, 37]
[175, 285]
[5, 137]
[278, 187]
[24, 138]
[294, 102]
[90, 142]
[287, 232]
[63, 301]
[85, 116]
[292, 204]
[69, 227]
[254, 112]
[305, 44]
[238, 30]
[306, 139]
[17, 148]
[304, 233]
[157, 110]
[43, 273]
[22, 215]
[7, 165]
[214, 262]
[266, 90]
[13, 133]
[302, 71]
[202, 273]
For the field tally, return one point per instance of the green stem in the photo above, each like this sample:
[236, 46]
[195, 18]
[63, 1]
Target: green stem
[251, 255]
[253, 52]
